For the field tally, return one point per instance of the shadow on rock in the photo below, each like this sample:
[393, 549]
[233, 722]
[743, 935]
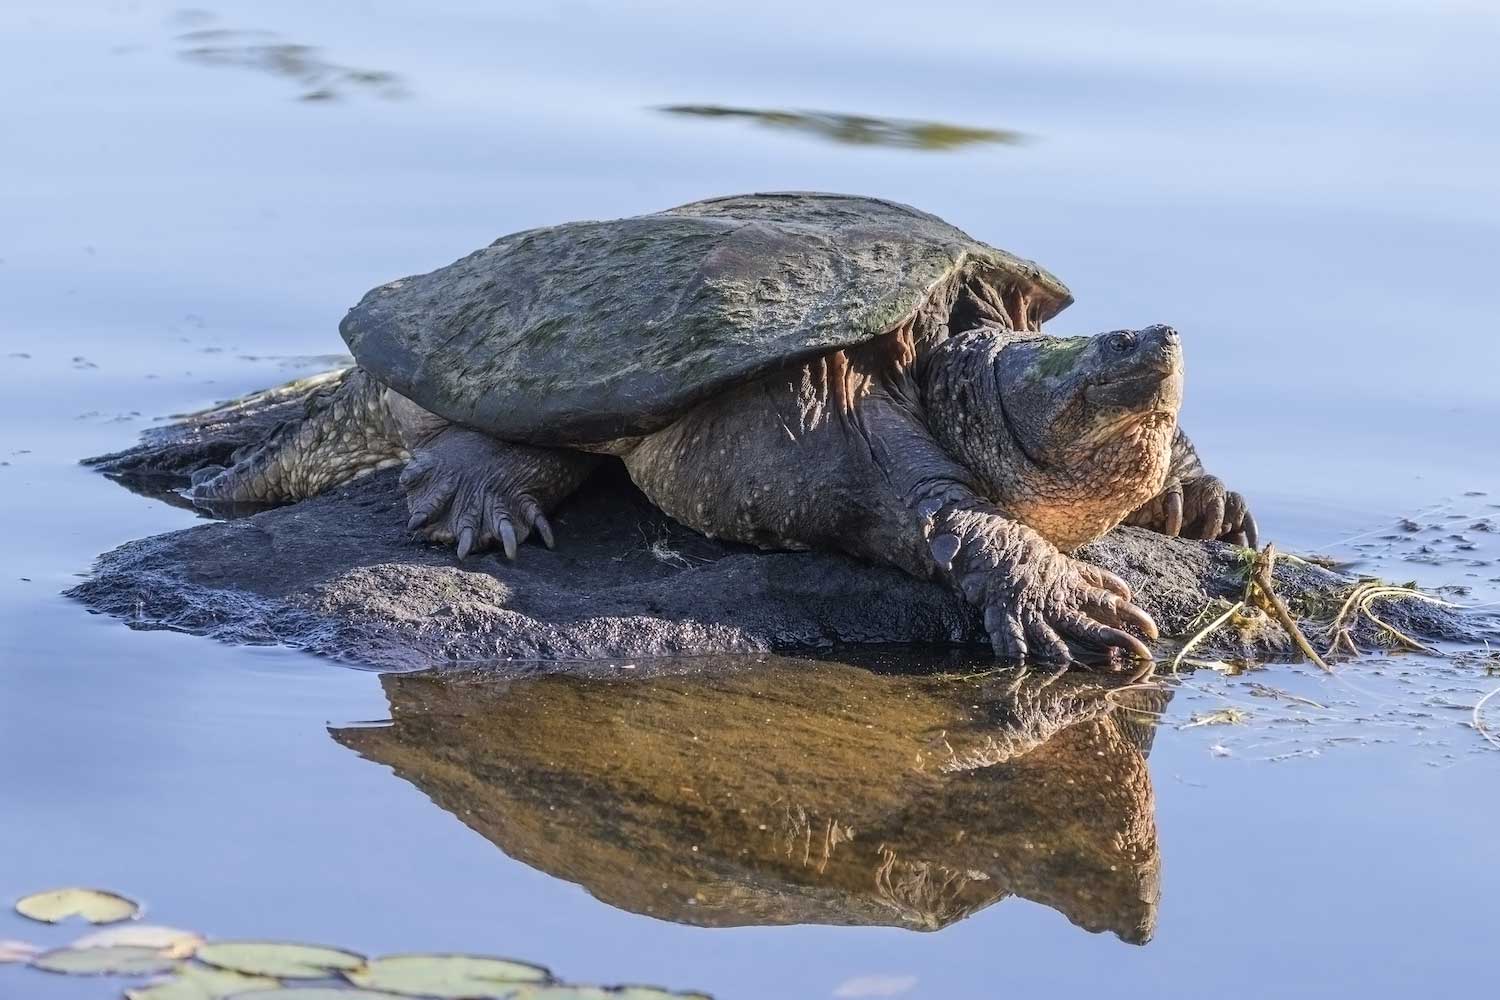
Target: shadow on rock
[744, 791]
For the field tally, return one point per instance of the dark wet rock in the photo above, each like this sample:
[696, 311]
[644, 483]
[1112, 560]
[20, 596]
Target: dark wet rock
[340, 576]
[925, 800]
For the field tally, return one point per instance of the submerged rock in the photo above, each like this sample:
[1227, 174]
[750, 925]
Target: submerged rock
[339, 575]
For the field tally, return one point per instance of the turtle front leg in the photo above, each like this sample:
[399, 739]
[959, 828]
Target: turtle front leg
[1038, 602]
[876, 485]
[1195, 504]
[467, 488]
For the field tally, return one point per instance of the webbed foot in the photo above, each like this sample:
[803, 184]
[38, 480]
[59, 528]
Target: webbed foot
[1199, 508]
[468, 489]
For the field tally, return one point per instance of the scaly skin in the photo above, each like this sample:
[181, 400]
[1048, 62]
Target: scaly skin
[926, 468]
[346, 433]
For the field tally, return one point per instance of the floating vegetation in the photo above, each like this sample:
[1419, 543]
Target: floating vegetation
[197, 982]
[115, 960]
[1260, 599]
[169, 941]
[190, 968]
[94, 905]
[1479, 724]
[266, 52]
[1360, 601]
[1221, 717]
[450, 977]
[279, 959]
[858, 130]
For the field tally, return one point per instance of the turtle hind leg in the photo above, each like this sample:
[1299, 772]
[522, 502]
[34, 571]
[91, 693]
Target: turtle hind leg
[347, 431]
[477, 492]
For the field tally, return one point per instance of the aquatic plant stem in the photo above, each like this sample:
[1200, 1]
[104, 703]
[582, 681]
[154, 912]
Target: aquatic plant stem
[1199, 635]
[1261, 581]
[1479, 725]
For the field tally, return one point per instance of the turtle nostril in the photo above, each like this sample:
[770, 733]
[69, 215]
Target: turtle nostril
[1169, 334]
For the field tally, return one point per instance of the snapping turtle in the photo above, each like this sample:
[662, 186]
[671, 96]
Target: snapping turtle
[786, 370]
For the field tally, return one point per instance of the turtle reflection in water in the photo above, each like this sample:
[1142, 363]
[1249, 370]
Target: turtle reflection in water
[780, 791]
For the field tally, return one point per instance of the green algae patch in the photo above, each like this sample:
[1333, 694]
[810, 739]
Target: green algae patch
[1058, 356]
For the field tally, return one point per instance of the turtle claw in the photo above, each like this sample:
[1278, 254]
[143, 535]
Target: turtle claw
[1199, 508]
[544, 529]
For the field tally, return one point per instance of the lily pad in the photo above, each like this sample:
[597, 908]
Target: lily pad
[118, 960]
[283, 960]
[451, 977]
[17, 951]
[168, 941]
[94, 905]
[318, 993]
[197, 982]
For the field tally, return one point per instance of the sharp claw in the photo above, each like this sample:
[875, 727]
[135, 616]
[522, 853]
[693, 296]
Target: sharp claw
[1138, 618]
[1213, 520]
[1108, 581]
[508, 538]
[1252, 532]
[1173, 525]
[417, 520]
[465, 543]
[543, 528]
[1082, 627]
[1134, 646]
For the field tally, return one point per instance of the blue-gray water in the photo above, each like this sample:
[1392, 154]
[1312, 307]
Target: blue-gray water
[1306, 189]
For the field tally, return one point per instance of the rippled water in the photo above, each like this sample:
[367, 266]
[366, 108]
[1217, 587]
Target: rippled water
[189, 199]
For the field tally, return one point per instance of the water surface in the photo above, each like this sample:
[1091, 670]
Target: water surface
[190, 199]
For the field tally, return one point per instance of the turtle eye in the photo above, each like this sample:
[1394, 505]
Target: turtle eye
[1122, 342]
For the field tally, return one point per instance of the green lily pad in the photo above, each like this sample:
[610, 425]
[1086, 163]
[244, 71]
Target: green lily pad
[168, 941]
[17, 951]
[279, 959]
[318, 993]
[118, 960]
[450, 977]
[197, 982]
[94, 905]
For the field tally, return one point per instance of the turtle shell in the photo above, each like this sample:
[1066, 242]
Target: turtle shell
[597, 330]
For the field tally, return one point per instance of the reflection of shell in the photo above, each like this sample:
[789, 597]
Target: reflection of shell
[794, 792]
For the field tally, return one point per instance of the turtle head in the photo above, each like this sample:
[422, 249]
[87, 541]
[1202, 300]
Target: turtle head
[1066, 397]
[1069, 434]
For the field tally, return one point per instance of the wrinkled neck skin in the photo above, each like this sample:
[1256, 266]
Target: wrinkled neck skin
[1070, 491]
